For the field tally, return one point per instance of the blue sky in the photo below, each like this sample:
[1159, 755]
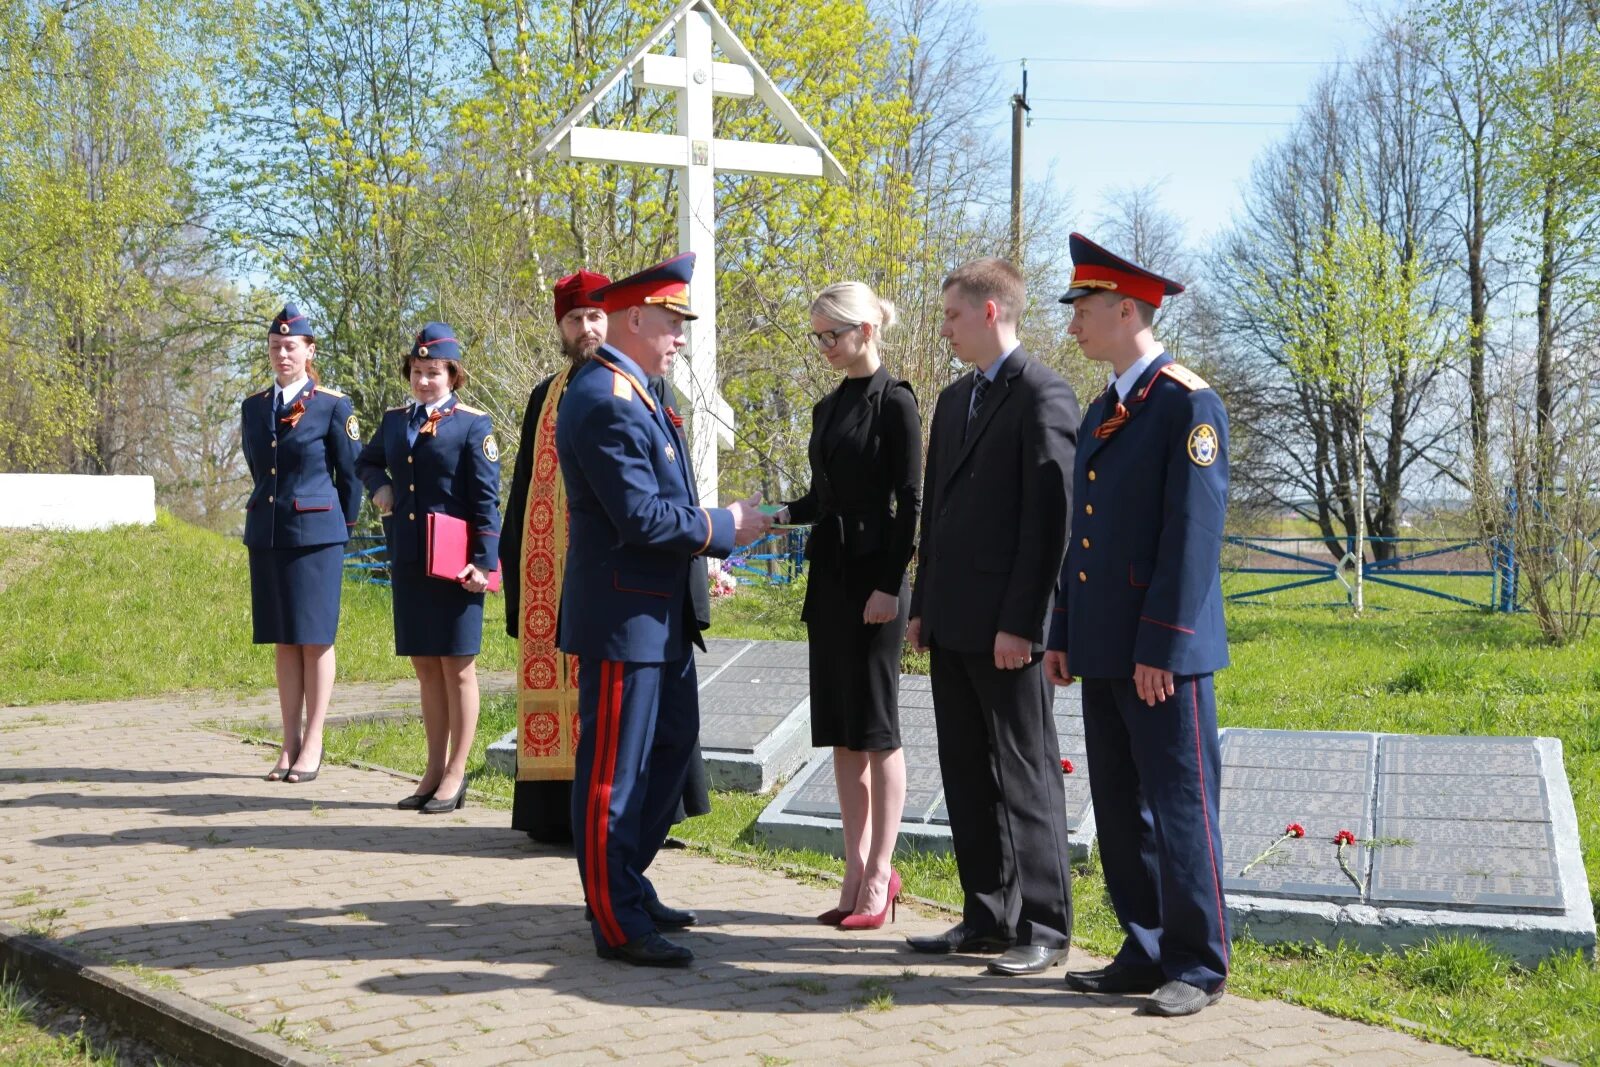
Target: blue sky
[1203, 163]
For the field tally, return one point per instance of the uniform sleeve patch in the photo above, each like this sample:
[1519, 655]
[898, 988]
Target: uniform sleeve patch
[352, 428]
[491, 449]
[1203, 445]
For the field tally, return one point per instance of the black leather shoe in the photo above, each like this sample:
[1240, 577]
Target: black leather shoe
[1114, 980]
[415, 801]
[667, 918]
[959, 938]
[1028, 959]
[1180, 998]
[437, 805]
[648, 950]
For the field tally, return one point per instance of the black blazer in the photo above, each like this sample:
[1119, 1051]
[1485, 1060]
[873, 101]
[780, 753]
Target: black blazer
[996, 506]
[863, 500]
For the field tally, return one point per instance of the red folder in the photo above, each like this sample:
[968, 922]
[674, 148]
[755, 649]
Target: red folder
[447, 549]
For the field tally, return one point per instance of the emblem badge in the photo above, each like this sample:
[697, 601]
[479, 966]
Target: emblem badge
[283, 327]
[1203, 446]
[491, 449]
[671, 455]
[352, 428]
[422, 350]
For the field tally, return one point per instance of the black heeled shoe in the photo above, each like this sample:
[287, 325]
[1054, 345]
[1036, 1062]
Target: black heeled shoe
[294, 777]
[436, 806]
[415, 801]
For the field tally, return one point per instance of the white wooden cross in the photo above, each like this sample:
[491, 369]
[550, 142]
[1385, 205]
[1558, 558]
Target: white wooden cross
[698, 155]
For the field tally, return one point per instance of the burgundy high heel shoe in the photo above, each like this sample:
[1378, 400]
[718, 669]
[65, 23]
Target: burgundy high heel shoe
[874, 922]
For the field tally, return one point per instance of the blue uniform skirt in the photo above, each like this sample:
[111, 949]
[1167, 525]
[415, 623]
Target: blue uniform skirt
[432, 616]
[294, 594]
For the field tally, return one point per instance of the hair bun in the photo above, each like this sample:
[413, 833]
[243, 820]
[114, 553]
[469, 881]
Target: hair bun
[891, 314]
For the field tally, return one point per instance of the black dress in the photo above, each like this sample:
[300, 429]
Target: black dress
[866, 465]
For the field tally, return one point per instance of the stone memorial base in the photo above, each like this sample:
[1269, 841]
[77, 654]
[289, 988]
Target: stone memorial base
[754, 727]
[805, 813]
[1472, 836]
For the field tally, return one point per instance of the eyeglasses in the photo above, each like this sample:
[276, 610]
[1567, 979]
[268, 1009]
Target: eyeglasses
[828, 338]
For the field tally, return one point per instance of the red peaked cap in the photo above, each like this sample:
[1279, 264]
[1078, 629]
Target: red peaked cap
[666, 284]
[1096, 270]
[573, 291]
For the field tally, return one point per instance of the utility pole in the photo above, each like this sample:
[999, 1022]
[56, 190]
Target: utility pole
[1019, 106]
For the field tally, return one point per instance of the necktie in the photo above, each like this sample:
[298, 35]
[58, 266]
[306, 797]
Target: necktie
[980, 388]
[1112, 422]
[419, 415]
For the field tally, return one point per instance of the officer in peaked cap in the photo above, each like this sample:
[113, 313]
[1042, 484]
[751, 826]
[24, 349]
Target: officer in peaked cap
[299, 439]
[1138, 617]
[635, 524]
[437, 455]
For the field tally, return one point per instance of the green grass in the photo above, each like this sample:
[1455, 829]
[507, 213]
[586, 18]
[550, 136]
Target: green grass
[140, 611]
[86, 622]
[34, 1035]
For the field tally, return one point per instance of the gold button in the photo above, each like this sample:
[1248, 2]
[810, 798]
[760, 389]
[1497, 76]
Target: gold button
[1088, 509]
[1082, 577]
[412, 515]
[408, 459]
[1085, 542]
[1091, 476]
[274, 470]
[269, 500]
[413, 488]
[274, 444]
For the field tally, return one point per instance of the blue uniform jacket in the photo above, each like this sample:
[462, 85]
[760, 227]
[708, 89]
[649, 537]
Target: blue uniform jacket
[455, 470]
[1141, 582]
[635, 520]
[305, 489]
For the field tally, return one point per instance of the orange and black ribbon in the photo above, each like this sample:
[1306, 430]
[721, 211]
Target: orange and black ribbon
[674, 417]
[431, 427]
[292, 419]
[1114, 422]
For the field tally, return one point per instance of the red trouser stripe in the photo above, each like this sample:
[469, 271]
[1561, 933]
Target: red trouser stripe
[608, 722]
[1205, 809]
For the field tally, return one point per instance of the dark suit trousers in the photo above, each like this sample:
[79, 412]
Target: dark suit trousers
[1002, 782]
[1155, 777]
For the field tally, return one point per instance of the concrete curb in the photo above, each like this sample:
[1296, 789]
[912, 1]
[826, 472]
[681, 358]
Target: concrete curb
[185, 1027]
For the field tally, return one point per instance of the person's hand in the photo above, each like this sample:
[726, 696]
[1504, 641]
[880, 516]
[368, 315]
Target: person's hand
[914, 635]
[474, 580]
[881, 607]
[1055, 668]
[1152, 684]
[749, 523]
[1012, 652]
[383, 500]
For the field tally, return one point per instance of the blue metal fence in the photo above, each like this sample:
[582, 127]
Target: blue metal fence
[1410, 561]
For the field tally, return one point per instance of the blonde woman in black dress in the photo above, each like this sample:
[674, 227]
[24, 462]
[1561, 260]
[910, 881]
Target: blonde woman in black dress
[866, 468]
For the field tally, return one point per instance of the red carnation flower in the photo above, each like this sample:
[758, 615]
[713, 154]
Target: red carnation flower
[1294, 829]
[1066, 766]
[1344, 837]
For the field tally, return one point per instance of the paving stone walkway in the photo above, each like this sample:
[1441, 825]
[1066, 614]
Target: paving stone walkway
[383, 937]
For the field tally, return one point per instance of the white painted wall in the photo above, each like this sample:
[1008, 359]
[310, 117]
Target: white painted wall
[76, 501]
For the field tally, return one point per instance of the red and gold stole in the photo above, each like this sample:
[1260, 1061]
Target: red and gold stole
[547, 684]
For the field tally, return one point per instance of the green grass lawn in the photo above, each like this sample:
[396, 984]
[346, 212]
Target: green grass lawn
[95, 616]
[36, 1033]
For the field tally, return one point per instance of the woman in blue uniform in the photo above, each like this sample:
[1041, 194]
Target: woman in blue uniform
[436, 454]
[300, 439]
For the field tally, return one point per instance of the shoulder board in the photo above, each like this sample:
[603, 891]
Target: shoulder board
[330, 391]
[397, 407]
[469, 410]
[621, 385]
[265, 392]
[1185, 377]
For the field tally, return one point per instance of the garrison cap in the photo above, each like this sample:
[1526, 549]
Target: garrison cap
[666, 284]
[436, 341]
[290, 323]
[1095, 270]
[575, 291]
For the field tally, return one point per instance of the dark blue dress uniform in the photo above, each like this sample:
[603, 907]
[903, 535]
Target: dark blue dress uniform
[443, 461]
[635, 524]
[302, 505]
[1141, 584]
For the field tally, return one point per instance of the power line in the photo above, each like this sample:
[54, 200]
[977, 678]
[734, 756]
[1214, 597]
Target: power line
[1158, 122]
[1179, 62]
[1158, 103]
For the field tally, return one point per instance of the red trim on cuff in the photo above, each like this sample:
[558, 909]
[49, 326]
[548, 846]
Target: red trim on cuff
[1168, 625]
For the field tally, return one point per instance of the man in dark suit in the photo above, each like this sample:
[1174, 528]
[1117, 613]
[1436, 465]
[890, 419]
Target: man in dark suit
[635, 524]
[1138, 617]
[996, 501]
